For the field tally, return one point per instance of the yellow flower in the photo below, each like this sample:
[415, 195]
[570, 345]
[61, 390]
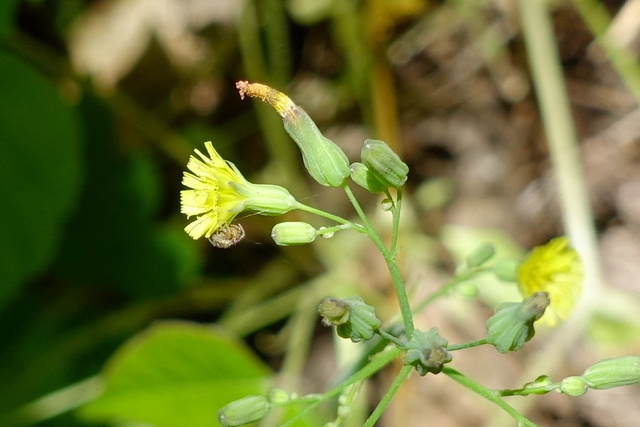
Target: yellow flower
[554, 268]
[218, 193]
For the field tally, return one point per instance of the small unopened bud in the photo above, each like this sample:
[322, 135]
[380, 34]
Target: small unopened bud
[542, 385]
[279, 396]
[614, 372]
[386, 204]
[293, 233]
[323, 159]
[243, 411]
[386, 165]
[512, 324]
[573, 386]
[480, 255]
[351, 316]
[361, 175]
[506, 269]
[427, 352]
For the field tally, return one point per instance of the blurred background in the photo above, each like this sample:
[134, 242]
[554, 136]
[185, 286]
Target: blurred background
[103, 101]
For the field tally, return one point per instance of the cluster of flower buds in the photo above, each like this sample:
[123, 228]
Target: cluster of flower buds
[380, 169]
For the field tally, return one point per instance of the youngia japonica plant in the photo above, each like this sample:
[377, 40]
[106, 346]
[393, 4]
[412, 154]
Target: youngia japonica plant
[549, 278]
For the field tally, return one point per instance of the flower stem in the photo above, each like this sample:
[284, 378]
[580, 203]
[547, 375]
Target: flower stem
[386, 399]
[449, 286]
[306, 208]
[391, 338]
[377, 363]
[396, 277]
[396, 222]
[488, 394]
[464, 345]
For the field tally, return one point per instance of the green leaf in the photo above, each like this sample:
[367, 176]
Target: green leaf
[113, 239]
[39, 171]
[176, 374]
[7, 15]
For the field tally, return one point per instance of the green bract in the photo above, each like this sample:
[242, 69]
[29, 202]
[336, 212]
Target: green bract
[361, 175]
[427, 352]
[512, 324]
[383, 163]
[351, 316]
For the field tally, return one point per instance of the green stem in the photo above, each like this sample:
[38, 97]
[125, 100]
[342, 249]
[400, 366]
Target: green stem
[306, 208]
[396, 277]
[594, 14]
[376, 364]
[527, 391]
[449, 286]
[396, 222]
[56, 403]
[470, 344]
[386, 399]
[391, 338]
[488, 394]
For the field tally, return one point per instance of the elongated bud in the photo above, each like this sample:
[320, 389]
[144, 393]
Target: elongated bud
[386, 165]
[512, 324]
[427, 352]
[323, 159]
[243, 411]
[613, 372]
[361, 175]
[293, 233]
[480, 255]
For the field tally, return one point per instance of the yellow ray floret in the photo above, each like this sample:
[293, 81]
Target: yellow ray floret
[218, 193]
[554, 268]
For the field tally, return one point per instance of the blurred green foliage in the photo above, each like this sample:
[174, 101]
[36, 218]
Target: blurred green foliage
[92, 247]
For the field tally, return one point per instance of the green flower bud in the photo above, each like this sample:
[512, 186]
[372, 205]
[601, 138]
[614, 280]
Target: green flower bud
[383, 163]
[512, 324]
[614, 372]
[352, 318]
[543, 384]
[506, 269]
[323, 159]
[279, 396]
[243, 411]
[480, 255]
[361, 175]
[427, 352]
[293, 233]
[573, 386]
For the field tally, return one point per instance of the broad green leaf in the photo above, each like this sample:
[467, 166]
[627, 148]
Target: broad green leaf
[176, 374]
[39, 171]
[113, 238]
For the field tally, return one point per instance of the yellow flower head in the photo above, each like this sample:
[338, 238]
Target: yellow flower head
[554, 268]
[218, 193]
